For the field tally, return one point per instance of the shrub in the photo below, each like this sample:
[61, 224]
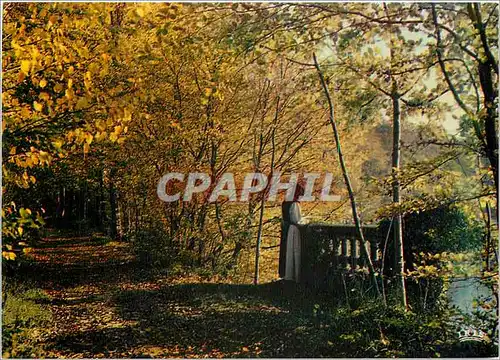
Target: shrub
[442, 229]
[372, 330]
[446, 228]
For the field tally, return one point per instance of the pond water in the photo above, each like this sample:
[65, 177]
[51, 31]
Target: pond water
[463, 292]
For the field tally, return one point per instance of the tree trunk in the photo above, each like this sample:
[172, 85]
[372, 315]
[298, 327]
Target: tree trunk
[399, 262]
[259, 240]
[490, 128]
[396, 198]
[262, 202]
[347, 181]
[112, 203]
[119, 220]
[102, 203]
[486, 67]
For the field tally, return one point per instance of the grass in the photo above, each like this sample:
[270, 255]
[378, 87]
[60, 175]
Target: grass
[23, 320]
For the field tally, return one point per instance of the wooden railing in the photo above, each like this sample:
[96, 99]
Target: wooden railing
[329, 250]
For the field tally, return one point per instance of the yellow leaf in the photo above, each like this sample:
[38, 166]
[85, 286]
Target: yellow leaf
[37, 106]
[100, 125]
[94, 68]
[52, 19]
[82, 103]
[12, 150]
[9, 255]
[58, 87]
[33, 158]
[25, 112]
[20, 230]
[43, 83]
[44, 156]
[25, 66]
[86, 148]
[101, 136]
[57, 144]
[89, 138]
[69, 94]
[127, 116]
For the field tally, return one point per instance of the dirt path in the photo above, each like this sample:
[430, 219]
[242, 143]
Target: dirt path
[105, 305]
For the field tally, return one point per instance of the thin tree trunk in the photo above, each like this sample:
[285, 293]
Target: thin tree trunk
[382, 270]
[261, 214]
[85, 203]
[396, 198]
[119, 220]
[488, 236]
[259, 240]
[102, 203]
[396, 186]
[112, 203]
[347, 181]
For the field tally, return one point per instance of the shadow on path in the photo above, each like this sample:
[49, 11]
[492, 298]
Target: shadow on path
[195, 320]
[104, 304]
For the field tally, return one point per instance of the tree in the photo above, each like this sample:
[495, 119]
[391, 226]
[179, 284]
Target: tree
[55, 63]
[471, 39]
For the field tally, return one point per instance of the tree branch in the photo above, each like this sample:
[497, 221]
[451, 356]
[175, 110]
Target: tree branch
[442, 64]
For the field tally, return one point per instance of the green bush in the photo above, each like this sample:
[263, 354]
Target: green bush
[372, 330]
[446, 228]
[23, 318]
[442, 229]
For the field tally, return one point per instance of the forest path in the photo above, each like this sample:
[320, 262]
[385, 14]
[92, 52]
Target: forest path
[105, 305]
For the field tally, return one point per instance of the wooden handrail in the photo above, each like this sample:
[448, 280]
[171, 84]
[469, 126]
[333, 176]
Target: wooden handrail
[328, 248]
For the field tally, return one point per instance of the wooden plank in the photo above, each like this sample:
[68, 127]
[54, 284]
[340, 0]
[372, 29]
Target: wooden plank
[344, 252]
[354, 252]
[373, 250]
